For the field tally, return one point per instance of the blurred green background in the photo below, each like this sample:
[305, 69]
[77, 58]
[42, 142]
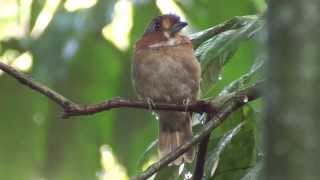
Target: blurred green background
[82, 49]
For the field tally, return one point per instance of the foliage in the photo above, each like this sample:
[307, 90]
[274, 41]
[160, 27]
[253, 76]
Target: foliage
[37, 143]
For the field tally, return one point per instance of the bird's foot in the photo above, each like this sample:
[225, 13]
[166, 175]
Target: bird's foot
[150, 103]
[186, 103]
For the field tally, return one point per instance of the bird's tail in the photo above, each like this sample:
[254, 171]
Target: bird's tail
[175, 129]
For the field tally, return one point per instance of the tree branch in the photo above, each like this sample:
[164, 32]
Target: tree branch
[237, 100]
[202, 153]
[28, 81]
[73, 109]
[199, 106]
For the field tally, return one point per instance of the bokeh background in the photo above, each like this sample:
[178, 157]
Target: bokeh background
[82, 49]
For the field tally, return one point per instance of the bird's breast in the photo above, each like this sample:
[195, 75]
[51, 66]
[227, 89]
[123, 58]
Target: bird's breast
[166, 74]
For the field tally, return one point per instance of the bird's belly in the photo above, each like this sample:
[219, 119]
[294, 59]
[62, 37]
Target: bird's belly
[164, 79]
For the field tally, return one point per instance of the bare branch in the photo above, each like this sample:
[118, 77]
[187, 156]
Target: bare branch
[236, 101]
[28, 81]
[199, 106]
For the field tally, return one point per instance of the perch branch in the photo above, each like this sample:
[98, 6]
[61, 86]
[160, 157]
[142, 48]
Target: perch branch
[73, 109]
[236, 101]
[199, 106]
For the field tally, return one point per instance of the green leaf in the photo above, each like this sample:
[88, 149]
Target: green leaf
[240, 153]
[254, 173]
[234, 23]
[217, 51]
[243, 80]
[168, 173]
[213, 159]
[148, 156]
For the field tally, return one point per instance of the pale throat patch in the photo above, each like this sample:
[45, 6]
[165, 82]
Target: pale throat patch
[170, 41]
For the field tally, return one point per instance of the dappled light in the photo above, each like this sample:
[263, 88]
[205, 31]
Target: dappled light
[14, 18]
[111, 167]
[23, 62]
[169, 6]
[73, 5]
[119, 28]
[44, 17]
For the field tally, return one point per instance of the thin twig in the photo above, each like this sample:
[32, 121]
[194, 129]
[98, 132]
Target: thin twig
[238, 100]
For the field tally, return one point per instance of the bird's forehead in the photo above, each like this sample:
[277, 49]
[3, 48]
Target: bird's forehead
[167, 20]
[166, 23]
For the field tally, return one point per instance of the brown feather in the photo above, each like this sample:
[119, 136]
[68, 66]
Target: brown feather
[166, 70]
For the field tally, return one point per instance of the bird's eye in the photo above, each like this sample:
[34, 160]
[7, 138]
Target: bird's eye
[157, 26]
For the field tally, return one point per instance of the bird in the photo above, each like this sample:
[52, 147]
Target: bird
[165, 69]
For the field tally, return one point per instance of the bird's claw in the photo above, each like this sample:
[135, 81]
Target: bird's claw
[186, 103]
[150, 103]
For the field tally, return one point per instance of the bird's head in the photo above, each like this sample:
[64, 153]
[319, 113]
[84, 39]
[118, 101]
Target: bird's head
[168, 25]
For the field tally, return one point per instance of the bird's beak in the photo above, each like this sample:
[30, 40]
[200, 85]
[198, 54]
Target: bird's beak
[177, 27]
